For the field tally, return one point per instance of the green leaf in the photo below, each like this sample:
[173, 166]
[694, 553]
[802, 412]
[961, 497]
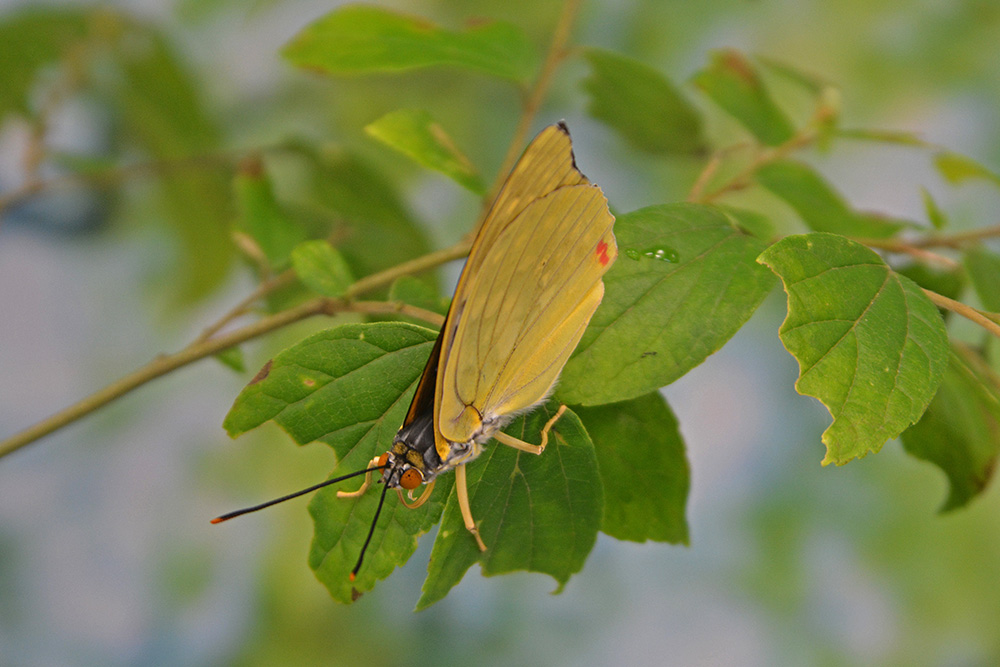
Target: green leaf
[164, 115]
[957, 168]
[371, 209]
[342, 524]
[883, 136]
[414, 133]
[418, 293]
[642, 105]
[684, 283]
[358, 39]
[960, 432]
[261, 217]
[983, 266]
[348, 387]
[535, 513]
[749, 221]
[32, 38]
[935, 215]
[870, 345]
[808, 81]
[233, 358]
[732, 83]
[819, 206]
[321, 268]
[646, 476]
[336, 384]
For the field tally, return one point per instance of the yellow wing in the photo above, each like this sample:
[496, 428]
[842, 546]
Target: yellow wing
[529, 288]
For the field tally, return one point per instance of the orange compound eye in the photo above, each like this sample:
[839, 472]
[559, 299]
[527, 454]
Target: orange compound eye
[383, 460]
[411, 479]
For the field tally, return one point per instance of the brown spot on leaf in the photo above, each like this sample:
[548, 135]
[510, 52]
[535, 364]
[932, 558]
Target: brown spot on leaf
[736, 63]
[263, 372]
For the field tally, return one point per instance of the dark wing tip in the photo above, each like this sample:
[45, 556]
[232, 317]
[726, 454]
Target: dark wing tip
[561, 125]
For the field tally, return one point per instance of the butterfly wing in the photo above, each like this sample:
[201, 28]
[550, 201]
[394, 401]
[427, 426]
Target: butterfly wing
[530, 286]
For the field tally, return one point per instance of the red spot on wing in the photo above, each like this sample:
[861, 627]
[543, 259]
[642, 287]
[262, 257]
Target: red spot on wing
[602, 253]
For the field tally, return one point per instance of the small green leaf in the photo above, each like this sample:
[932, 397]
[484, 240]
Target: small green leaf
[808, 81]
[535, 513]
[321, 268]
[732, 83]
[983, 266]
[233, 358]
[370, 208]
[416, 292]
[357, 39]
[957, 168]
[870, 345]
[960, 432]
[684, 283]
[646, 477]
[749, 221]
[934, 213]
[414, 133]
[164, 115]
[641, 105]
[883, 136]
[261, 217]
[819, 206]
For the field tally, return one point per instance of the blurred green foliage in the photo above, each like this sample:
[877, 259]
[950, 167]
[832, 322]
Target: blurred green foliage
[291, 177]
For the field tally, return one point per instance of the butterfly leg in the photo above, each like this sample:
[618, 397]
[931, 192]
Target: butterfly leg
[511, 441]
[364, 487]
[463, 504]
[419, 501]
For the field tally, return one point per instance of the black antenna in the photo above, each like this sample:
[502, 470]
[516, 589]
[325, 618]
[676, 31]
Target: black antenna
[371, 531]
[247, 510]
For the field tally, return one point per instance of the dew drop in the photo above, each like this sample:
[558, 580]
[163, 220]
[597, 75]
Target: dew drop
[662, 253]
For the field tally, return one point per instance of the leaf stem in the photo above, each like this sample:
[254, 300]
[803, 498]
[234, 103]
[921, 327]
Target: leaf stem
[985, 320]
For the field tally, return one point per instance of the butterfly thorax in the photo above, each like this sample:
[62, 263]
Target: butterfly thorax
[413, 449]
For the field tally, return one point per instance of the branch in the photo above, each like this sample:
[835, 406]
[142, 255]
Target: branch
[533, 101]
[911, 249]
[744, 178]
[205, 346]
[985, 320]
[957, 240]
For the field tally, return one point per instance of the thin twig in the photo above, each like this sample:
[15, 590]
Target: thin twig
[957, 240]
[904, 248]
[985, 320]
[202, 348]
[533, 101]
[745, 177]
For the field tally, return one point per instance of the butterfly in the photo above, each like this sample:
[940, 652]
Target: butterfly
[531, 284]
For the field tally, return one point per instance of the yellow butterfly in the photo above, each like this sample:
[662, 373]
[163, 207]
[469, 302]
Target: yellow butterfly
[532, 281]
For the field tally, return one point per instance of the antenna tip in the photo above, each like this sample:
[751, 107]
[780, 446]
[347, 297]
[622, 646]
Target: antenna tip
[352, 576]
[217, 519]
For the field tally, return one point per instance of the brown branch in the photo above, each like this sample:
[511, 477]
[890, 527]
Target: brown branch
[533, 101]
[208, 346]
[904, 248]
[957, 240]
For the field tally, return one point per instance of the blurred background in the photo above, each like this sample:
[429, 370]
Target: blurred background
[106, 553]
